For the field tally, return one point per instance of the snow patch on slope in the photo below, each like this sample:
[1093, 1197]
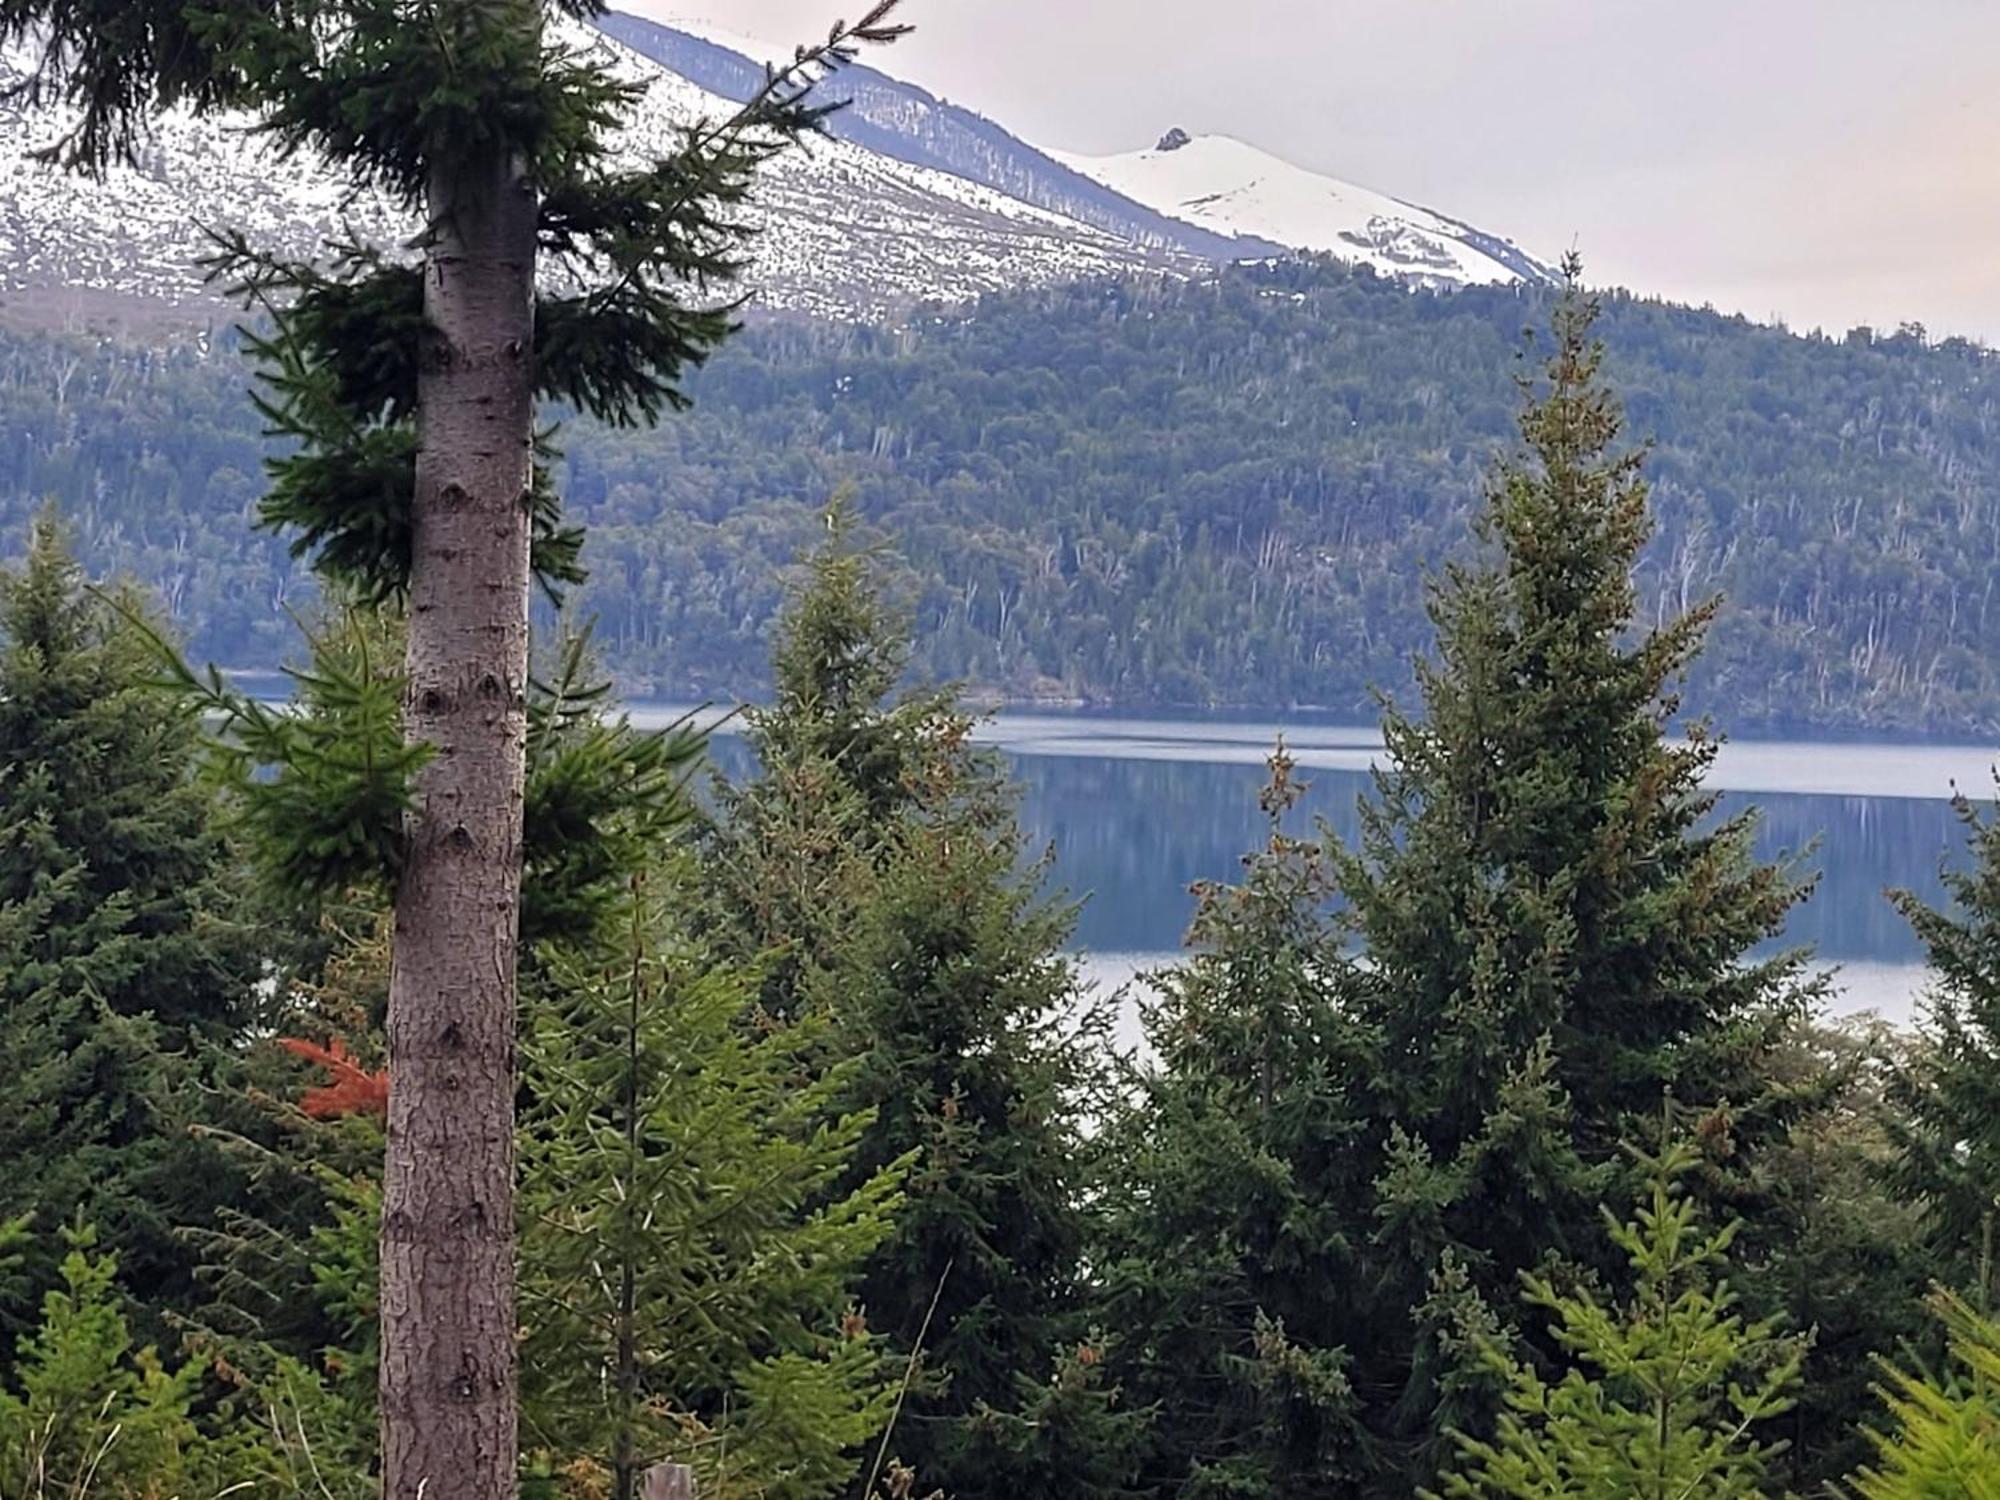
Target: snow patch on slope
[846, 232]
[1235, 188]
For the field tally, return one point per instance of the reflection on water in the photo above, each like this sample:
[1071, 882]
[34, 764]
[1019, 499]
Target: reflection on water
[1138, 810]
[1132, 835]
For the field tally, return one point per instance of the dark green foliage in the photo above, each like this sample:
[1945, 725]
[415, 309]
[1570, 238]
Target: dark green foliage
[121, 949]
[877, 852]
[1833, 1249]
[1231, 1261]
[1553, 931]
[688, 1250]
[321, 785]
[796, 849]
[288, 1268]
[1670, 1394]
[114, 880]
[125, 59]
[1948, 1123]
[602, 799]
[1068, 1433]
[956, 998]
[389, 95]
[1538, 864]
[1209, 494]
[1557, 929]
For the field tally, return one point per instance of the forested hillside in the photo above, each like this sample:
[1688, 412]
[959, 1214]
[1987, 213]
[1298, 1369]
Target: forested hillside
[1156, 493]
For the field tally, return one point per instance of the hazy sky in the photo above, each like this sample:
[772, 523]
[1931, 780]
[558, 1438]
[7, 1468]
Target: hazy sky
[1828, 161]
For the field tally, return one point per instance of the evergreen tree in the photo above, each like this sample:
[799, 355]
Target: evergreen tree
[92, 1416]
[1556, 927]
[115, 882]
[1944, 1441]
[795, 850]
[1227, 1264]
[1834, 1246]
[121, 951]
[1948, 1121]
[410, 386]
[1552, 929]
[1666, 1397]
[688, 1248]
[878, 854]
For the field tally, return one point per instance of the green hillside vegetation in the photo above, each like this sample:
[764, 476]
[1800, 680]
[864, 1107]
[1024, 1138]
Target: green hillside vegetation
[1158, 494]
[1472, 1155]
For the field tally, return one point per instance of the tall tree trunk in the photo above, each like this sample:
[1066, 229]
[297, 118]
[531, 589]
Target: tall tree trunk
[448, 1372]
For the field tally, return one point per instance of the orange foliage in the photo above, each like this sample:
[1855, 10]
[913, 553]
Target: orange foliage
[355, 1090]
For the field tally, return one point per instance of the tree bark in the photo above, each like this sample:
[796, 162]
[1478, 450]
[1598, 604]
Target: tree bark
[448, 1365]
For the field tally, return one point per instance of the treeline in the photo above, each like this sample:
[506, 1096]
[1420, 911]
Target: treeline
[1159, 493]
[1473, 1153]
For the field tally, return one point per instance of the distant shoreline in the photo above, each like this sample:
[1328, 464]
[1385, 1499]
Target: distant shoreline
[273, 683]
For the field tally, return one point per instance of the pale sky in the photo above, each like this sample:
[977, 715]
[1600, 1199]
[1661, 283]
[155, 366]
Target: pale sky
[1831, 162]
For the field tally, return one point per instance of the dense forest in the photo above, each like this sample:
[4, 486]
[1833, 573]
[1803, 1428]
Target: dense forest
[440, 1087]
[1479, 1147]
[1155, 493]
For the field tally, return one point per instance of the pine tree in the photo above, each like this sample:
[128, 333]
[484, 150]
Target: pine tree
[662, 1138]
[1835, 1246]
[1228, 1267]
[1948, 1121]
[411, 386]
[877, 853]
[1667, 1396]
[1556, 927]
[114, 877]
[795, 850]
[91, 1414]
[122, 953]
[1945, 1440]
[689, 1247]
[1552, 928]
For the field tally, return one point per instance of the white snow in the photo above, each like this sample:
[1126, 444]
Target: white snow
[845, 232]
[1232, 187]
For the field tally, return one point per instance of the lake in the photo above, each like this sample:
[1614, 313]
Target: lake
[1138, 809]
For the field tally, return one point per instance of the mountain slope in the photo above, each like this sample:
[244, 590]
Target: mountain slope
[1235, 188]
[1149, 491]
[848, 231]
[912, 199]
[900, 120]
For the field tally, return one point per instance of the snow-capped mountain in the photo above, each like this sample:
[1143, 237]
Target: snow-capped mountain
[901, 120]
[912, 199]
[1235, 188]
[849, 231]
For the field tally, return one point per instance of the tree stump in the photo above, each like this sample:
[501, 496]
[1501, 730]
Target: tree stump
[667, 1482]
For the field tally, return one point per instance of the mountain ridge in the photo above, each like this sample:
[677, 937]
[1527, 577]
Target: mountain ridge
[906, 121]
[844, 231]
[910, 200]
[1234, 187]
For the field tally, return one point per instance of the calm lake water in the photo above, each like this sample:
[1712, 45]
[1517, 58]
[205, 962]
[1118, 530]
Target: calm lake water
[1139, 809]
